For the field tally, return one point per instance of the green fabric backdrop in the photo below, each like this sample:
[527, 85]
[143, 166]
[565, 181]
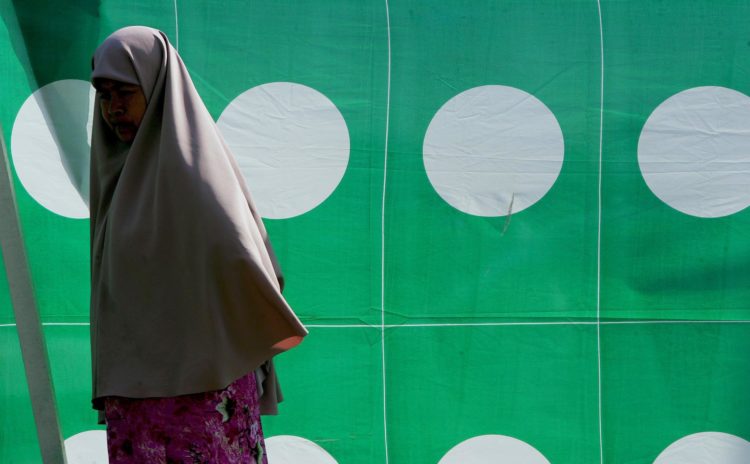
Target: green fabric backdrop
[598, 324]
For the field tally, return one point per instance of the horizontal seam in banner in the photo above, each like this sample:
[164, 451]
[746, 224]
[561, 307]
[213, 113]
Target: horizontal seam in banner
[468, 324]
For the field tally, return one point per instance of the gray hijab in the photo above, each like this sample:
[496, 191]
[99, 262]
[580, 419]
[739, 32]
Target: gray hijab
[185, 288]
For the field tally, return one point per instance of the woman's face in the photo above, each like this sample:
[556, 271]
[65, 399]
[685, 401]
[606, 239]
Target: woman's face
[122, 105]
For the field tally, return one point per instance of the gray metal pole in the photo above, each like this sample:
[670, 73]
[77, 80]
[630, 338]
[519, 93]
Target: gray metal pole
[33, 347]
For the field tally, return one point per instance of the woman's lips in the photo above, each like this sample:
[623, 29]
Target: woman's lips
[124, 130]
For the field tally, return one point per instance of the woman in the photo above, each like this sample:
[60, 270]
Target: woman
[186, 305]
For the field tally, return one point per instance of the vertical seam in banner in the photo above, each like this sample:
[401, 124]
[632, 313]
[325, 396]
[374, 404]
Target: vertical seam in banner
[176, 28]
[599, 238]
[382, 232]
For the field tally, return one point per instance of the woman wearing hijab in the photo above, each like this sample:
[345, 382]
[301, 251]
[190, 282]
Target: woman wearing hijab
[186, 304]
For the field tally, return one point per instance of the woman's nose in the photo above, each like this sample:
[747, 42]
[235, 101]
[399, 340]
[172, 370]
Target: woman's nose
[116, 107]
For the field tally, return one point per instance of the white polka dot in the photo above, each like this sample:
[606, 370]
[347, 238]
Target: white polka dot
[694, 151]
[493, 449]
[493, 150]
[50, 145]
[706, 448]
[292, 145]
[288, 449]
[88, 447]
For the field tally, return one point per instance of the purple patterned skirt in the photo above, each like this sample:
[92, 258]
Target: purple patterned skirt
[216, 427]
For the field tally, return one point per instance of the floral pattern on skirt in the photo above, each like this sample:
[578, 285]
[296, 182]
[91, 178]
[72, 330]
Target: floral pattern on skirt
[216, 427]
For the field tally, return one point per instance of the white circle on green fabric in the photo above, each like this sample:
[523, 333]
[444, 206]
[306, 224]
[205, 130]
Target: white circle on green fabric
[88, 447]
[291, 143]
[493, 449]
[51, 146]
[706, 448]
[493, 150]
[694, 151]
[288, 449]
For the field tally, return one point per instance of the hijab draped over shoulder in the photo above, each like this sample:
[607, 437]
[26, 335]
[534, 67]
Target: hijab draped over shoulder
[185, 288]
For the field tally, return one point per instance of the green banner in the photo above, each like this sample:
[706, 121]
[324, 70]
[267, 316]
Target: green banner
[516, 230]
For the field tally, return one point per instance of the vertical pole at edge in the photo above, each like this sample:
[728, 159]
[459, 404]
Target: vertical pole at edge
[33, 347]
